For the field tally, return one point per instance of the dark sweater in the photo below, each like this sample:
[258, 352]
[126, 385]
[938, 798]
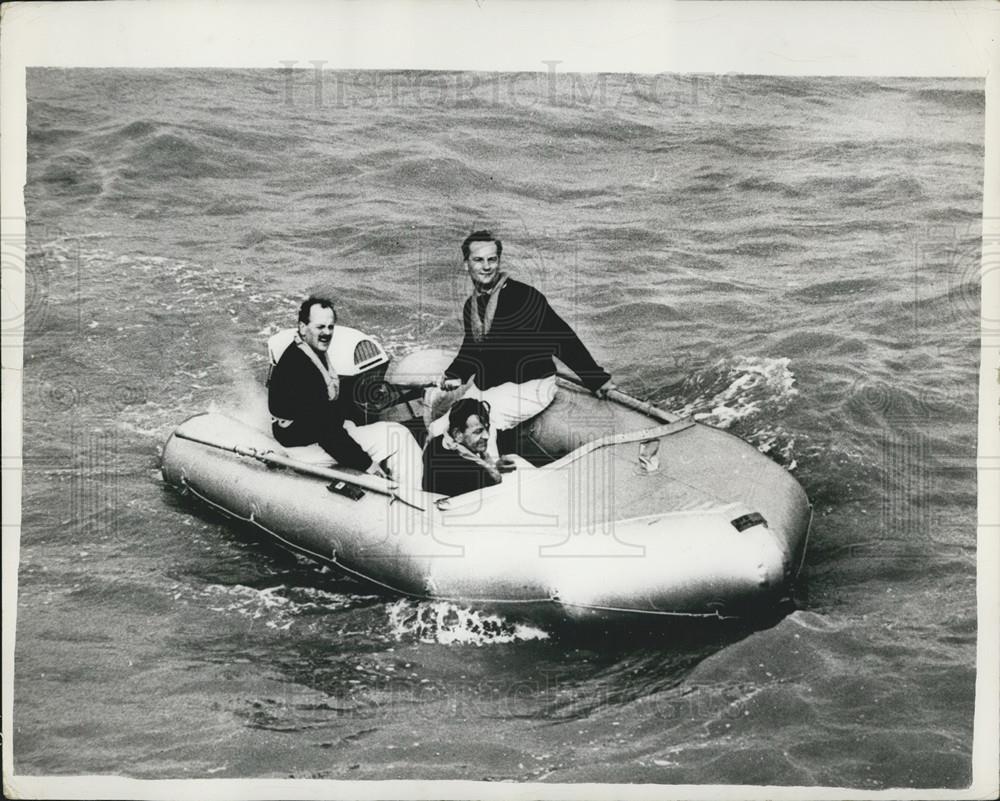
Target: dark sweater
[447, 473]
[297, 392]
[525, 335]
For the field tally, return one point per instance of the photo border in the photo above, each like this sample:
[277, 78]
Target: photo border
[764, 38]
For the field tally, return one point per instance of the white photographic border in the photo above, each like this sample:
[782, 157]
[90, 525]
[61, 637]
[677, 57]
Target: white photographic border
[768, 38]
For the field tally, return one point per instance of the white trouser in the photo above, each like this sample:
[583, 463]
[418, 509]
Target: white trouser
[391, 443]
[510, 404]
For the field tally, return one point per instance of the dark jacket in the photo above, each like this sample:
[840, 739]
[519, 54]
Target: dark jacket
[447, 473]
[525, 335]
[297, 392]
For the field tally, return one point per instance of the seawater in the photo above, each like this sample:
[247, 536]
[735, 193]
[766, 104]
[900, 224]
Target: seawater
[795, 260]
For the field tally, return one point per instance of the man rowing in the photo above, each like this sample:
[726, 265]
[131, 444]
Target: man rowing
[311, 418]
[511, 335]
[456, 462]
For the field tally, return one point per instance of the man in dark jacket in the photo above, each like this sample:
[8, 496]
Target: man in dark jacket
[309, 416]
[511, 335]
[456, 462]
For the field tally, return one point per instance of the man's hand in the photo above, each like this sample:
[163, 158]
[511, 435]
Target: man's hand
[603, 390]
[506, 465]
[449, 384]
[378, 471]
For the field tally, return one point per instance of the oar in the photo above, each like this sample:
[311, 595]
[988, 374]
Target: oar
[373, 483]
[628, 401]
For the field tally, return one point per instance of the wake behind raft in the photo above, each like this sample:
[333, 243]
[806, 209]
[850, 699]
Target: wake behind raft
[619, 511]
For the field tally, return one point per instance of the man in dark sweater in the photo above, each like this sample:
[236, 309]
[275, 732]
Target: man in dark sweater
[511, 335]
[456, 462]
[311, 419]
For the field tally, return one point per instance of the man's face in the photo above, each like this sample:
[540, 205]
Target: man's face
[318, 332]
[475, 436]
[483, 263]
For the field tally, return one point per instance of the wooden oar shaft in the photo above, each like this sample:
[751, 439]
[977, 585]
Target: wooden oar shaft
[372, 483]
[628, 401]
[642, 406]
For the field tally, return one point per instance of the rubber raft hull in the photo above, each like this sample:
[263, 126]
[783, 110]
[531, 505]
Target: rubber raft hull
[718, 530]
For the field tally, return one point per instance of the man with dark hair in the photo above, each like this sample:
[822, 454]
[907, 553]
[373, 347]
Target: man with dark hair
[456, 461]
[306, 307]
[480, 236]
[311, 418]
[511, 335]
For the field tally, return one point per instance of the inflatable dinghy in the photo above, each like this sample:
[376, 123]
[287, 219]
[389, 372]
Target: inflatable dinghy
[618, 509]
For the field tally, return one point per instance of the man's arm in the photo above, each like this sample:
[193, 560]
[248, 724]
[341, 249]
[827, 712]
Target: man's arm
[337, 442]
[568, 347]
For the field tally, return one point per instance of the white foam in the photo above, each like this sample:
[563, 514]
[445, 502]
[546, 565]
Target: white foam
[275, 605]
[446, 623]
[752, 380]
[255, 604]
[743, 388]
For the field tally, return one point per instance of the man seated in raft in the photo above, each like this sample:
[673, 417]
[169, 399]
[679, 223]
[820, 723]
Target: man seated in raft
[456, 461]
[307, 409]
[511, 335]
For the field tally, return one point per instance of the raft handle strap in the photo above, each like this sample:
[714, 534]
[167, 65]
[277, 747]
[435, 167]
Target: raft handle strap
[641, 435]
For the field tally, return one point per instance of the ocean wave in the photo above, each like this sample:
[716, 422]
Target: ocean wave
[168, 155]
[835, 291]
[819, 343]
[231, 207]
[332, 172]
[768, 186]
[953, 214]
[72, 173]
[138, 129]
[870, 192]
[647, 315]
[636, 236]
[430, 171]
[43, 135]
[958, 99]
[740, 141]
[797, 647]
[761, 248]
[595, 129]
[174, 155]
